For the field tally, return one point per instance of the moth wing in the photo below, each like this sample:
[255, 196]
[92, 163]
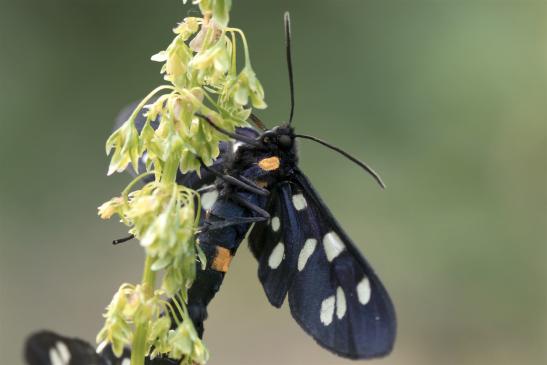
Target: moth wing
[49, 348]
[275, 244]
[335, 295]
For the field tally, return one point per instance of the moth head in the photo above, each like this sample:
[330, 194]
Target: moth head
[279, 138]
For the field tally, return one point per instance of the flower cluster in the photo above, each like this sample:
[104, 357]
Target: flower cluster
[131, 308]
[164, 217]
[200, 63]
[203, 78]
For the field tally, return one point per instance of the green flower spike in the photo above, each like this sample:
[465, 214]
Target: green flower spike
[200, 66]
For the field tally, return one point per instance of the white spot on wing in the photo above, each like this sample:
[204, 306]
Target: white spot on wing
[340, 303]
[363, 291]
[299, 201]
[327, 310]
[235, 146]
[126, 361]
[276, 224]
[101, 347]
[55, 357]
[276, 256]
[208, 199]
[63, 351]
[306, 252]
[333, 245]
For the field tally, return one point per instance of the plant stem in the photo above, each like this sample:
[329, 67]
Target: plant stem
[127, 190]
[138, 347]
[147, 98]
[148, 277]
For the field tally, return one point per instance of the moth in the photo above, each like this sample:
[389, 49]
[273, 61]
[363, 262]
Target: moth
[256, 189]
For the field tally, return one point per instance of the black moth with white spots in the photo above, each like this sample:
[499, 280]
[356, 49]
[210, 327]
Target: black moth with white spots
[302, 251]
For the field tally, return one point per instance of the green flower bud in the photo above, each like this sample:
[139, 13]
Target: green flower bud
[221, 11]
[116, 330]
[187, 28]
[206, 6]
[125, 142]
[209, 34]
[111, 207]
[178, 57]
[246, 86]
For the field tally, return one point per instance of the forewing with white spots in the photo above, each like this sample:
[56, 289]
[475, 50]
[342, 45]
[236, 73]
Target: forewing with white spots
[49, 348]
[335, 295]
[276, 244]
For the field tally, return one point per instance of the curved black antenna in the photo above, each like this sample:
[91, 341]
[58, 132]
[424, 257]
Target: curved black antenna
[237, 137]
[347, 155]
[289, 60]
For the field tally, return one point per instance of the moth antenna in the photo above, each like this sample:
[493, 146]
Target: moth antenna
[348, 156]
[122, 240]
[237, 137]
[289, 61]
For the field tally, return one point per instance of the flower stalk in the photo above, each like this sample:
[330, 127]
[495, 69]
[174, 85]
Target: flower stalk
[138, 347]
[202, 78]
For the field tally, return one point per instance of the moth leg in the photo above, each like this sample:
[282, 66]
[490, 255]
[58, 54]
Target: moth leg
[229, 222]
[124, 239]
[250, 182]
[255, 208]
[243, 185]
[257, 121]
[239, 183]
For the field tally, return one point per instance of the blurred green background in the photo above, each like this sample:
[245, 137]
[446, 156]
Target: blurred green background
[447, 99]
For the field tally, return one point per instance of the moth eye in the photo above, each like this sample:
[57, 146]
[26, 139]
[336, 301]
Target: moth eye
[285, 141]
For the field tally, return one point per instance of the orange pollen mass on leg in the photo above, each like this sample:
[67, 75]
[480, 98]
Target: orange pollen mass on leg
[269, 164]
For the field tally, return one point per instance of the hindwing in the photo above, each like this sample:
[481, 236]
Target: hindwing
[334, 294]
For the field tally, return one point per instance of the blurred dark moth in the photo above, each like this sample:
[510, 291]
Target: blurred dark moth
[302, 252]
